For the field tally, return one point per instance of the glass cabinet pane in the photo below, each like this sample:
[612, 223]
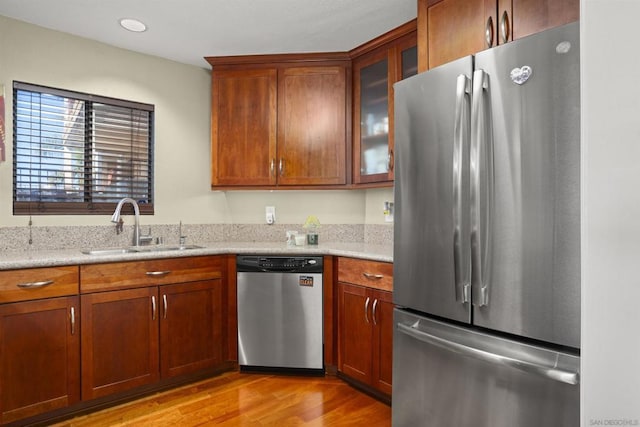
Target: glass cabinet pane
[409, 62]
[374, 118]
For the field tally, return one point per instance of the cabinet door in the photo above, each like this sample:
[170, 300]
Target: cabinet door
[312, 126]
[455, 28]
[190, 327]
[119, 341]
[372, 86]
[533, 16]
[382, 319]
[354, 332]
[243, 127]
[40, 357]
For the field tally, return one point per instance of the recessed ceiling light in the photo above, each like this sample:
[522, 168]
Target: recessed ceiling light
[133, 25]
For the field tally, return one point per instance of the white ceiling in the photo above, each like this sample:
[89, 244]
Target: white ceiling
[188, 30]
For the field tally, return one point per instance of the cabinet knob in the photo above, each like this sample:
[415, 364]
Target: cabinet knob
[488, 32]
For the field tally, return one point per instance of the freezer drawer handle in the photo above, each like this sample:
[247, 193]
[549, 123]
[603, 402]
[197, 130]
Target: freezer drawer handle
[553, 373]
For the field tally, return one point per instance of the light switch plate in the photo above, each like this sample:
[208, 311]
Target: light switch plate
[388, 211]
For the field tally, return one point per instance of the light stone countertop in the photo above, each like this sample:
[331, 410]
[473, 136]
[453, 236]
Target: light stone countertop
[33, 259]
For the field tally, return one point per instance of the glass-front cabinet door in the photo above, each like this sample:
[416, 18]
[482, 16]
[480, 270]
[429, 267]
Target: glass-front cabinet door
[374, 75]
[374, 117]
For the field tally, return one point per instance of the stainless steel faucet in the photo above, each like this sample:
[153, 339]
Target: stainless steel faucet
[136, 210]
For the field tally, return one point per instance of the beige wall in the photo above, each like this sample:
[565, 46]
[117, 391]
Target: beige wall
[181, 95]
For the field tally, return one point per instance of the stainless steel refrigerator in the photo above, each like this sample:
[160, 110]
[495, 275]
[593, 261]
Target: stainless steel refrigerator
[487, 238]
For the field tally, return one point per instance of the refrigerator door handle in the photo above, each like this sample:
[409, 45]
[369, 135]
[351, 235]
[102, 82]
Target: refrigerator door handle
[461, 256]
[481, 169]
[550, 372]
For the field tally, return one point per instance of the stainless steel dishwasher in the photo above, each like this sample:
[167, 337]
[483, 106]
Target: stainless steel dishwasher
[280, 313]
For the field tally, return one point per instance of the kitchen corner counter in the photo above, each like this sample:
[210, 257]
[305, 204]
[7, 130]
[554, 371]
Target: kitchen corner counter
[33, 259]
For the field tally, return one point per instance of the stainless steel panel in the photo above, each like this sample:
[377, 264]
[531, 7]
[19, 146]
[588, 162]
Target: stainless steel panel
[431, 216]
[280, 320]
[461, 377]
[532, 192]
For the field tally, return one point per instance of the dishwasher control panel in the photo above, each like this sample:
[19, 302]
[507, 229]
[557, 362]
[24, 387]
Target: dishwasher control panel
[293, 264]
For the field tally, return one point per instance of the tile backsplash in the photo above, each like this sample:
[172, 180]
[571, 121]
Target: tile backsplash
[70, 237]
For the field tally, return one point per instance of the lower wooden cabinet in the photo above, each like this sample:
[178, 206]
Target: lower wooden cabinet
[120, 341]
[190, 327]
[135, 337]
[365, 331]
[39, 358]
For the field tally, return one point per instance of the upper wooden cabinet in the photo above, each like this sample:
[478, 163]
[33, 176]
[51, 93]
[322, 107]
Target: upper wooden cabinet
[312, 138]
[377, 65]
[243, 127]
[451, 29]
[280, 120]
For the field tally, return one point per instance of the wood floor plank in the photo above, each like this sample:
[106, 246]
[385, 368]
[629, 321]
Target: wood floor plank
[239, 399]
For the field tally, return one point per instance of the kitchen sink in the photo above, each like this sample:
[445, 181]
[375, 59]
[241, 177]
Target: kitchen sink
[140, 249]
[161, 248]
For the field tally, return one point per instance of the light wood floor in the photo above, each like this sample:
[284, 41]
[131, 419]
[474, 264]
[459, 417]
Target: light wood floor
[238, 399]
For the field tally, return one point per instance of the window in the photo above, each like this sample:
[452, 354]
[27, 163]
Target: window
[76, 153]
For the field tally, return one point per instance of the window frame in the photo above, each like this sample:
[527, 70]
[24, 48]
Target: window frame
[88, 206]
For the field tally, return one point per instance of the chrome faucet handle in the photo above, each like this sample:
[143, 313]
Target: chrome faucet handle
[146, 238]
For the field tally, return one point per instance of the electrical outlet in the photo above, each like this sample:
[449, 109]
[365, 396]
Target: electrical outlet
[270, 213]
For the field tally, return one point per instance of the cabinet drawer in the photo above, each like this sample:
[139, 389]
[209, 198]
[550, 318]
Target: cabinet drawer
[134, 274]
[36, 283]
[373, 274]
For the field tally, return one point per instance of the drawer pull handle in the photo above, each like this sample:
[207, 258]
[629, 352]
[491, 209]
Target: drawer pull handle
[158, 273]
[31, 285]
[373, 276]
